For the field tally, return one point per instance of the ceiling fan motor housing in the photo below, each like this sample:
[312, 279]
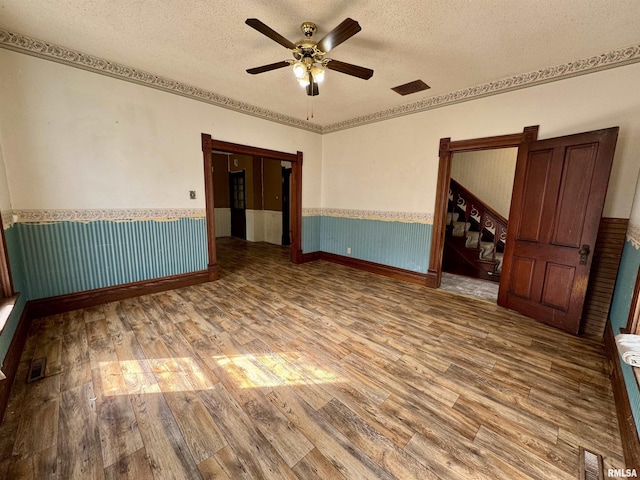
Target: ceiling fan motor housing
[308, 28]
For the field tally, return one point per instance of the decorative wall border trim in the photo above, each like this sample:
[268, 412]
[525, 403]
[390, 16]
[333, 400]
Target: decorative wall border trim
[128, 214]
[10, 217]
[8, 220]
[384, 216]
[604, 61]
[633, 235]
[38, 48]
[312, 212]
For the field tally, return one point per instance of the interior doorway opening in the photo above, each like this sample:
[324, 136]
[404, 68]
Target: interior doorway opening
[556, 209]
[480, 192]
[235, 200]
[447, 151]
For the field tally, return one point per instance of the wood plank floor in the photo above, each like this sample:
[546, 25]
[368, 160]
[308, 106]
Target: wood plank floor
[305, 371]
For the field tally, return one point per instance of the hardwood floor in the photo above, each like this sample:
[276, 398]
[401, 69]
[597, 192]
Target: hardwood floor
[305, 371]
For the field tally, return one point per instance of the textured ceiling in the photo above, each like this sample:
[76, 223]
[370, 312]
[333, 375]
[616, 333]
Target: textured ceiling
[450, 44]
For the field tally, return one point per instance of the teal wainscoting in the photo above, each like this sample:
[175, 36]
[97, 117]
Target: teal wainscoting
[67, 257]
[16, 263]
[619, 314]
[311, 234]
[397, 244]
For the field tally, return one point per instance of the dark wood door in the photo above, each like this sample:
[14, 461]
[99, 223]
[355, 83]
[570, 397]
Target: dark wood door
[286, 205]
[559, 192]
[237, 191]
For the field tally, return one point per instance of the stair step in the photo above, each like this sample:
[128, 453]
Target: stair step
[472, 239]
[499, 258]
[451, 215]
[459, 228]
[486, 251]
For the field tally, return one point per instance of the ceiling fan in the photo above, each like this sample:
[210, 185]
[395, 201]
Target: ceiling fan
[309, 61]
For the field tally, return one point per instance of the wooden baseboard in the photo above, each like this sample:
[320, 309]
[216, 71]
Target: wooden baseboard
[214, 272]
[429, 279]
[73, 301]
[628, 431]
[12, 359]
[433, 279]
[310, 257]
[386, 270]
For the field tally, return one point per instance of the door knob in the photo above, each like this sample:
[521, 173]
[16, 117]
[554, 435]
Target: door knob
[584, 253]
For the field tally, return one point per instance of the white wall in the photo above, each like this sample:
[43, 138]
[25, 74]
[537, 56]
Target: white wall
[74, 139]
[393, 165]
[255, 225]
[5, 199]
[634, 219]
[273, 227]
[262, 226]
[222, 218]
[488, 174]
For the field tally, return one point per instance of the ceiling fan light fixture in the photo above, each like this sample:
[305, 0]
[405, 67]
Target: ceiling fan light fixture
[318, 73]
[299, 69]
[309, 63]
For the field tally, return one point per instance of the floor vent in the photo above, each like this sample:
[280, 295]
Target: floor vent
[591, 466]
[36, 372]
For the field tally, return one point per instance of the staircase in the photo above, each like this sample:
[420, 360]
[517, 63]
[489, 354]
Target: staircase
[475, 236]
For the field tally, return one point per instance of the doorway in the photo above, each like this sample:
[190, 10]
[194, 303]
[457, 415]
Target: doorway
[447, 149]
[295, 198]
[479, 203]
[237, 201]
[558, 197]
[286, 205]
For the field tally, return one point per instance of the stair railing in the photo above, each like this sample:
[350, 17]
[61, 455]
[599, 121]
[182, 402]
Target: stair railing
[475, 209]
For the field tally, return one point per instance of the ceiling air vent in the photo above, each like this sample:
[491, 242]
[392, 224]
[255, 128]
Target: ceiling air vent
[411, 87]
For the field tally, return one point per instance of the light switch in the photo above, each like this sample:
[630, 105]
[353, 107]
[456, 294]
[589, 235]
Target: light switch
[192, 194]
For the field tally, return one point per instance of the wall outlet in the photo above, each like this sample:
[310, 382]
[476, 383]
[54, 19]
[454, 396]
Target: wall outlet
[192, 194]
[348, 250]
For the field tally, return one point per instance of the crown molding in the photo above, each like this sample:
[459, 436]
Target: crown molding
[612, 59]
[49, 51]
[38, 48]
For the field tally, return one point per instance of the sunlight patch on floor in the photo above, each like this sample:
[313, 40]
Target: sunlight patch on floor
[157, 375]
[270, 370]
[183, 374]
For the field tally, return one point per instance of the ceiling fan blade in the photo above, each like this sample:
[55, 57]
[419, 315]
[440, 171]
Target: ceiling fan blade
[268, 68]
[270, 32]
[349, 69]
[312, 89]
[342, 32]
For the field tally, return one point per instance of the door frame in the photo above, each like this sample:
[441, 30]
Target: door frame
[208, 145]
[446, 151]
